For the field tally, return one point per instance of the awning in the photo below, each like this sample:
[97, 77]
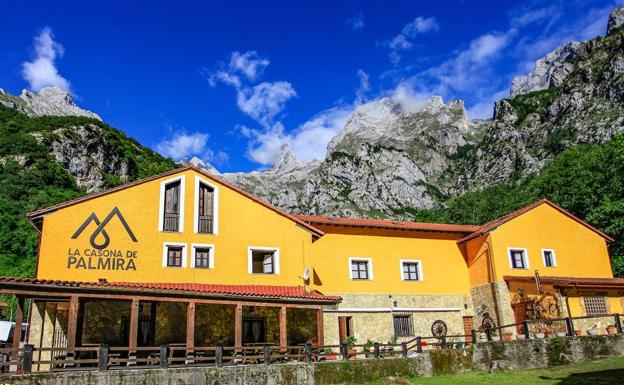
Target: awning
[589, 283]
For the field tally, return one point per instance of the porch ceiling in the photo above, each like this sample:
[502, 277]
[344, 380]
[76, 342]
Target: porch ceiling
[187, 290]
[613, 283]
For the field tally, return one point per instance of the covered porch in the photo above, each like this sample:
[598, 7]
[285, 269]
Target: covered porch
[138, 323]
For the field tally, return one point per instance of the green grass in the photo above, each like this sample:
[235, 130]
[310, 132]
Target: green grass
[605, 372]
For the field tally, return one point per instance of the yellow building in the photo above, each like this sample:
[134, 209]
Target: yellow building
[186, 258]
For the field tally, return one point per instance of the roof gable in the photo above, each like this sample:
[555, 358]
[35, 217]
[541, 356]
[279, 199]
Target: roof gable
[493, 225]
[36, 217]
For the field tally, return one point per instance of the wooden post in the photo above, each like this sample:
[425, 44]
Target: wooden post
[344, 350]
[266, 349]
[72, 322]
[103, 357]
[527, 332]
[190, 327]
[419, 348]
[320, 332]
[219, 356]
[17, 332]
[134, 326]
[238, 326]
[164, 356]
[618, 323]
[404, 349]
[473, 336]
[28, 359]
[376, 347]
[283, 333]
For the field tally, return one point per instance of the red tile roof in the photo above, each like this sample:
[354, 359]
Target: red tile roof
[615, 283]
[255, 291]
[386, 224]
[486, 228]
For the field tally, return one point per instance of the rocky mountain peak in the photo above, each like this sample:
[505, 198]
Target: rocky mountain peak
[197, 162]
[616, 20]
[287, 160]
[49, 101]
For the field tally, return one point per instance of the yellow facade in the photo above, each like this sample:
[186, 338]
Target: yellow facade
[242, 223]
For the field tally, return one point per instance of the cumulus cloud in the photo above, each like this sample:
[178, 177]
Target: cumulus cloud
[248, 63]
[264, 101]
[404, 40]
[183, 145]
[41, 71]
[357, 22]
[364, 88]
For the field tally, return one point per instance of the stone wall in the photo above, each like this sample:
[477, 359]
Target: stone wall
[520, 354]
[484, 305]
[377, 325]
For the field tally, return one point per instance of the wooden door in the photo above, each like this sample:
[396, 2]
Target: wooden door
[520, 315]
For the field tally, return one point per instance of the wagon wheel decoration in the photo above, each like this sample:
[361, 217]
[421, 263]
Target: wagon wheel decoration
[488, 323]
[438, 328]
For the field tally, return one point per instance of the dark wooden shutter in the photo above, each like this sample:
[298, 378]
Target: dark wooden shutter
[172, 207]
[342, 329]
[206, 209]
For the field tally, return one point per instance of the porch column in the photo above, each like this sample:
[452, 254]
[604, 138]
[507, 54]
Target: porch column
[134, 326]
[17, 333]
[320, 332]
[283, 334]
[72, 323]
[238, 326]
[190, 327]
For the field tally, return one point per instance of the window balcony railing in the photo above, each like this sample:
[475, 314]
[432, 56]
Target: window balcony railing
[171, 222]
[205, 224]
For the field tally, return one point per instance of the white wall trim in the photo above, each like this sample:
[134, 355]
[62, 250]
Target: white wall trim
[276, 259]
[421, 277]
[184, 254]
[526, 257]
[392, 310]
[161, 207]
[554, 258]
[211, 258]
[369, 265]
[215, 205]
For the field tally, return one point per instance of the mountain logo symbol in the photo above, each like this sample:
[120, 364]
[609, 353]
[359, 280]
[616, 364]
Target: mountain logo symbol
[100, 229]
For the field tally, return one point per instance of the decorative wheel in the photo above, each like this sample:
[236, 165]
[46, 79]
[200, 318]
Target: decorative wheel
[438, 328]
[488, 323]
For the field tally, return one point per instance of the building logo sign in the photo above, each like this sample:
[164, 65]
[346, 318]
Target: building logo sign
[99, 256]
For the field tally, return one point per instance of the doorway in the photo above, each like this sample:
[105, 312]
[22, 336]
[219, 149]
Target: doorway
[254, 330]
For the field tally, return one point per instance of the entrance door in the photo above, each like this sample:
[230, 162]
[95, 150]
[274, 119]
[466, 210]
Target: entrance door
[520, 315]
[254, 330]
[345, 328]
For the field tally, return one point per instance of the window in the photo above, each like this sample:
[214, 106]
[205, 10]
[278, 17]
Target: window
[549, 258]
[361, 268]
[206, 207]
[518, 259]
[174, 255]
[411, 270]
[263, 260]
[403, 325]
[171, 212]
[203, 257]
[595, 305]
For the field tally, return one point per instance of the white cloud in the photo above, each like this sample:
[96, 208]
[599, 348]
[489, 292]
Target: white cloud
[360, 93]
[182, 145]
[403, 41]
[41, 71]
[264, 101]
[309, 141]
[357, 22]
[249, 63]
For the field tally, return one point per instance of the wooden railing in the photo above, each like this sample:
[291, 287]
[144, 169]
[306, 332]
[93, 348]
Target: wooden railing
[104, 357]
[205, 224]
[171, 222]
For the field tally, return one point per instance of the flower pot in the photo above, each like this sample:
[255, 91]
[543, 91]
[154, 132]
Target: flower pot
[352, 354]
[540, 335]
[369, 355]
[592, 332]
[330, 357]
[507, 337]
[495, 338]
[560, 334]
[483, 336]
[611, 330]
[578, 332]
[520, 336]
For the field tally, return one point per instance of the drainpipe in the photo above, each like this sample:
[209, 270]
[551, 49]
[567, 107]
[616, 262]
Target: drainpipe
[493, 288]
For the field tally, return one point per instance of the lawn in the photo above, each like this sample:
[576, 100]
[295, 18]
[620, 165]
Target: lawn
[604, 372]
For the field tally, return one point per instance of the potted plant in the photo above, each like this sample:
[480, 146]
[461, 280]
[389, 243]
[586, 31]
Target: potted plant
[351, 352]
[560, 332]
[507, 336]
[593, 330]
[314, 348]
[329, 354]
[611, 329]
[578, 332]
[368, 349]
[541, 332]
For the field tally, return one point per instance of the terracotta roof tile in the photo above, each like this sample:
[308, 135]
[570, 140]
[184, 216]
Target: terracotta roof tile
[259, 291]
[571, 281]
[386, 224]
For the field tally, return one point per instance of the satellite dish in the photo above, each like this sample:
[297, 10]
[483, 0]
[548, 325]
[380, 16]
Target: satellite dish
[306, 274]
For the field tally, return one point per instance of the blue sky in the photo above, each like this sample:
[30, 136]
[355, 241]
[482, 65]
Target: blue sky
[232, 82]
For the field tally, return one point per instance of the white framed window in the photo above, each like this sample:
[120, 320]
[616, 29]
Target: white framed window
[202, 256]
[263, 260]
[411, 270]
[206, 212]
[518, 258]
[171, 207]
[548, 257]
[361, 269]
[174, 254]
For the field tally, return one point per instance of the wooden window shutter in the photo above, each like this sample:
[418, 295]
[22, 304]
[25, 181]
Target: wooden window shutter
[342, 329]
